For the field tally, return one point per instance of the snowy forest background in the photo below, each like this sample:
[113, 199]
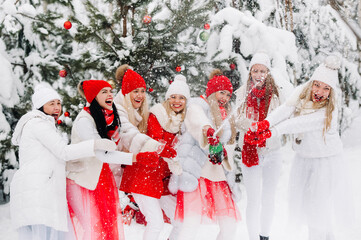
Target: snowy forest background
[35, 47]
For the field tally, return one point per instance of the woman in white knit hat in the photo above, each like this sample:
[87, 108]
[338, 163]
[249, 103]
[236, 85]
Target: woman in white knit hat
[318, 189]
[149, 186]
[261, 162]
[38, 202]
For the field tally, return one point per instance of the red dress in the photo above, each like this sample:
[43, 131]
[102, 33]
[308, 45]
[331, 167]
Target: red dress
[141, 179]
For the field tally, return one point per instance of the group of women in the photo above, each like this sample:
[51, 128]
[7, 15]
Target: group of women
[177, 157]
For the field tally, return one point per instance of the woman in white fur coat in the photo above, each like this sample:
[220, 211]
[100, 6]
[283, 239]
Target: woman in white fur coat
[206, 188]
[261, 164]
[38, 204]
[91, 190]
[148, 185]
[318, 183]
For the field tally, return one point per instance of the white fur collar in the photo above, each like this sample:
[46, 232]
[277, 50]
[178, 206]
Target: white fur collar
[170, 123]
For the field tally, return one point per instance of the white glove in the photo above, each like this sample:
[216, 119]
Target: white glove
[174, 166]
[115, 157]
[105, 145]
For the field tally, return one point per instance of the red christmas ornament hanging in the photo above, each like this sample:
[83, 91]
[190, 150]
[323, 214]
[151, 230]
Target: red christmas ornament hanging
[67, 25]
[232, 66]
[63, 73]
[178, 68]
[66, 114]
[150, 89]
[170, 81]
[147, 19]
[207, 26]
[59, 122]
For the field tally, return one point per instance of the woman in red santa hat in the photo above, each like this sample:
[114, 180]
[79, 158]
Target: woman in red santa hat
[261, 162]
[149, 186]
[206, 188]
[91, 191]
[319, 195]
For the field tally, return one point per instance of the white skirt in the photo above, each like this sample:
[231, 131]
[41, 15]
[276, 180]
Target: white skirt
[319, 193]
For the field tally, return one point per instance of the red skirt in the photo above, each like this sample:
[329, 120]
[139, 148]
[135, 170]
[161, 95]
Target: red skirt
[210, 199]
[94, 213]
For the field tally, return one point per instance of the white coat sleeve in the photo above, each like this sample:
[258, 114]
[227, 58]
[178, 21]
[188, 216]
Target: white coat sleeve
[133, 140]
[54, 142]
[85, 130]
[280, 114]
[195, 121]
[301, 124]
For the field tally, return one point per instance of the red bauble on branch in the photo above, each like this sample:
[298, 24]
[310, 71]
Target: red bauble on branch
[232, 66]
[63, 73]
[147, 19]
[59, 122]
[67, 25]
[150, 89]
[178, 68]
[207, 26]
[66, 114]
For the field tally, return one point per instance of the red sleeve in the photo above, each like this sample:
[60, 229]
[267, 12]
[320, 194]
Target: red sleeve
[154, 131]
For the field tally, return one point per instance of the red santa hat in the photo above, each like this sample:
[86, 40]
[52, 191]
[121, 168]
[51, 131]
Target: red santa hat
[91, 88]
[218, 82]
[132, 80]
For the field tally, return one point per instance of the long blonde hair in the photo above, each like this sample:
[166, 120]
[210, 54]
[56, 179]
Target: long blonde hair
[217, 117]
[168, 109]
[329, 104]
[143, 112]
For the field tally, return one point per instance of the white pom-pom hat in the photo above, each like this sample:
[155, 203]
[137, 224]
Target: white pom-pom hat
[43, 94]
[327, 72]
[260, 58]
[178, 86]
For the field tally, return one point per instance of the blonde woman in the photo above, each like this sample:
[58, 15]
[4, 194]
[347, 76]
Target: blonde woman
[149, 186]
[206, 188]
[318, 193]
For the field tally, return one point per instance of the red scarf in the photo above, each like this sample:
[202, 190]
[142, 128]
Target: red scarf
[249, 152]
[109, 118]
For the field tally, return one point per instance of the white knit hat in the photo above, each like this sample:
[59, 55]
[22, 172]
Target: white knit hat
[327, 72]
[43, 94]
[179, 86]
[260, 58]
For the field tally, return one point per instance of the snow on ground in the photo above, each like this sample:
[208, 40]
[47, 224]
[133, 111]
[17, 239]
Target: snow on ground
[352, 141]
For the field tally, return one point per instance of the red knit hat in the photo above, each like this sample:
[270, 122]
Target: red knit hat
[91, 88]
[131, 81]
[218, 83]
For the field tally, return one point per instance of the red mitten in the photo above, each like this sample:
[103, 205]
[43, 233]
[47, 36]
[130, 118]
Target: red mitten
[265, 134]
[168, 152]
[150, 159]
[253, 138]
[212, 140]
[260, 126]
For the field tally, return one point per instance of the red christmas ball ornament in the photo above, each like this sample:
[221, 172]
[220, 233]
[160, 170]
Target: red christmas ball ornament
[178, 68]
[232, 66]
[150, 89]
[147, 19]
[207, 26]
[67, 25]
[59, 122]
[66, 114]
[63, 73]
[170, 81]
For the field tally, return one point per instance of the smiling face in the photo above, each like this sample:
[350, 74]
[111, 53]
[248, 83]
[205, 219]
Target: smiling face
[137, 97]
[320, 91]
[259, 74]
[177, 102]
[53, 108]
[105, 98]
[223, 97]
